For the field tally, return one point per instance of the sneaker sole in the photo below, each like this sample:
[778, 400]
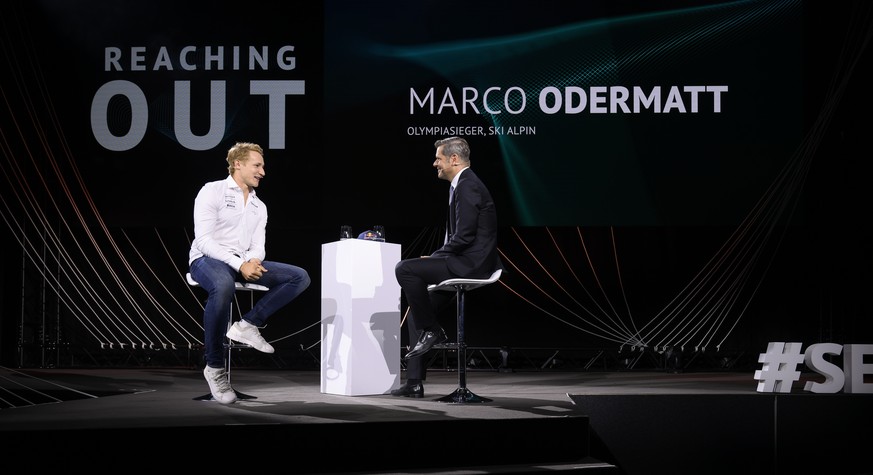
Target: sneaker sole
[212, 393]
[223, 402]
[239, 339]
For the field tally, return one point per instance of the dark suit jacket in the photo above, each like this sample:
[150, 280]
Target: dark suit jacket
[471, 248]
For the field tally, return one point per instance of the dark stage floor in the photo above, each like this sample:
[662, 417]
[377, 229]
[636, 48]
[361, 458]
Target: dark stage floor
[598, 422]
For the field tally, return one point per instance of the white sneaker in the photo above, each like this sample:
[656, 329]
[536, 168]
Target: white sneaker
[219, 386]
[250, 336]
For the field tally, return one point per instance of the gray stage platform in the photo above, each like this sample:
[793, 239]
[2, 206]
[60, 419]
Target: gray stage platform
[141, 420]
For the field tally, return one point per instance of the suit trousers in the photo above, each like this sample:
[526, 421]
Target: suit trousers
[414, 275]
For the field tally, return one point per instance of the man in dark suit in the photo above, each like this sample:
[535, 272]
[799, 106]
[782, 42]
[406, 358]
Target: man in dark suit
[469, 251]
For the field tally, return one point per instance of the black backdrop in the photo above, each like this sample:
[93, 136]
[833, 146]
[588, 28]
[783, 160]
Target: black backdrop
[355, 148]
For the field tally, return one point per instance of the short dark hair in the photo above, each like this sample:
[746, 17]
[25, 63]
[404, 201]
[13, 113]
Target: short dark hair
[454, 146]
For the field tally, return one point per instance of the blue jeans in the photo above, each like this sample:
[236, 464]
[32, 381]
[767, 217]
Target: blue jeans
[285, 282]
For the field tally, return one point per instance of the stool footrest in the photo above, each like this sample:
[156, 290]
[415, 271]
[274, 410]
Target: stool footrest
[446, 346]
[237, 345]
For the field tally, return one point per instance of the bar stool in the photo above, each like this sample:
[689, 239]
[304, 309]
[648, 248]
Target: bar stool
[230, 345]
[463, 395]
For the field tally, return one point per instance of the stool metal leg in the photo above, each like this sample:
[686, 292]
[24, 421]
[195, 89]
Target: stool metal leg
[230, 345]
[239, 394]
[462, 395]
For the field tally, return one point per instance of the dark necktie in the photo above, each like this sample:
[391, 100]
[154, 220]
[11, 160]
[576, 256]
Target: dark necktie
[450, 227]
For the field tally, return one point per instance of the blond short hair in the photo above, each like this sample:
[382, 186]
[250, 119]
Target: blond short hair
[240, 151]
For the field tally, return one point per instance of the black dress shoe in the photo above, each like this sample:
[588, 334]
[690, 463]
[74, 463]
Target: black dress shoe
[409, 390]
[426, 342]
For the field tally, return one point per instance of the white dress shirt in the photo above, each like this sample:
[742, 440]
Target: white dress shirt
[226, 228]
